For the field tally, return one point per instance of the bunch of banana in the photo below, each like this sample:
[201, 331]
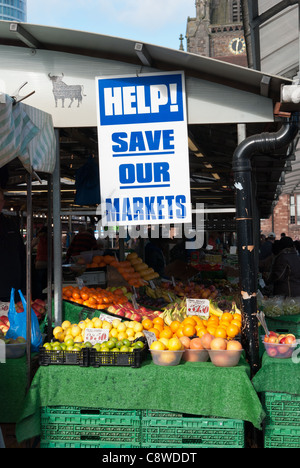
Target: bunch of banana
[177, 311]
[214, 310]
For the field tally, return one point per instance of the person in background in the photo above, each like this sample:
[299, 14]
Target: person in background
[285, 272]
[12, 256]
[266, 253]
[84, 241]
[41, 262]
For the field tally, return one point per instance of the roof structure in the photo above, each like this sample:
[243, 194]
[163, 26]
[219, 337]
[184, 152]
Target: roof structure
[220, 97]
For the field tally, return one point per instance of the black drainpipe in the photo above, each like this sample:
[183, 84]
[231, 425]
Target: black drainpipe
[265, 143]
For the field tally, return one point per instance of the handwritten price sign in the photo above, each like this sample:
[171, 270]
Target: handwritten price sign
[198, 307]
[96, 335]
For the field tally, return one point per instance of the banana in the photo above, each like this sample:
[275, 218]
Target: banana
[213, 310]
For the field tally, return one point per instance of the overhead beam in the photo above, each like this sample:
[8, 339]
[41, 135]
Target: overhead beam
[24, 36]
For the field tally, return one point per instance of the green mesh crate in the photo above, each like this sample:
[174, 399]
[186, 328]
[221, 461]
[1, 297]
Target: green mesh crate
[151, 413]
[197, 431]
[86, 426]
[282, 409]
[45, 444]
[277, 437]
[76, 410]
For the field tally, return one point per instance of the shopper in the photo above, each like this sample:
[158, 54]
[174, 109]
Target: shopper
[285, 272]
[84, 241]
[12, 256]
[266, 253]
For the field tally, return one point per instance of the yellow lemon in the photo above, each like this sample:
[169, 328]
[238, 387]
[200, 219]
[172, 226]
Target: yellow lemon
[175, 344]
[128, 323]
[66, 324]
[121, 336]
[138, 327]
[97, 323]
[57, 330]
[76, 330]
[116, 323]
[165, 341]
[106, 325]
[114, 333]
[60, 336]
[129, 332]
[157, 346]
[138, 335]
[68, 337]
[82, 324]
[78, 339]
[121, 327]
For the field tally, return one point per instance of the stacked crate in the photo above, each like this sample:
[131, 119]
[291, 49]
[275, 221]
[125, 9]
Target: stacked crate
[75, 427]
[282, 425]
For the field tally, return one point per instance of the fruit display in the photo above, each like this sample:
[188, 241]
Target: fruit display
[119, 346]
[157, 298]
[129, 311]
[140, 267]
[4, 324]
[192, 290]
[279, 306]
[95, 298]
[279, 345]
[222, 352]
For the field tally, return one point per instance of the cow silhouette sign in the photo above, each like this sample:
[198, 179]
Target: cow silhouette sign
[63, 91]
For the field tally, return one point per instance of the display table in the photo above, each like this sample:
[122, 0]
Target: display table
[13, 382]
[193, 388]
[278, 375]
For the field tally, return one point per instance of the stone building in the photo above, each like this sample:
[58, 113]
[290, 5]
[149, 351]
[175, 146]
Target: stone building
[217, 31]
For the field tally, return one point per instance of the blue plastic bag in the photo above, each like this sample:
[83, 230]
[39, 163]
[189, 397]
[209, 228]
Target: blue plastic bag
[18, 323]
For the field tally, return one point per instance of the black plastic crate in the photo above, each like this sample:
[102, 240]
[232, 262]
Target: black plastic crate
[63, 357]
[110, 358]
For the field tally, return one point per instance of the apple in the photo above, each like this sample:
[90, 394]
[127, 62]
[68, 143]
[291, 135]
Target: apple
[282, 340]
[128, 314]
[271, 333]
[273, 339]
[136, 316]
[290, 339]
[120, 312]
[272, 352]
[5, 320]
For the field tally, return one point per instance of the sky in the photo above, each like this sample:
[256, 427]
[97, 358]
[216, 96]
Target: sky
[159, 22]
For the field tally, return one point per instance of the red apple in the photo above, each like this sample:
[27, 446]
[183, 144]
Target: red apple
[290, 339]
[283, 349]
[5, 320]
[271, 333]
[272, 352]
[273, 339]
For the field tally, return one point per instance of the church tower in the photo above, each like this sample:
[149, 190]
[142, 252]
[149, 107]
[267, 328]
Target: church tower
[217, 31]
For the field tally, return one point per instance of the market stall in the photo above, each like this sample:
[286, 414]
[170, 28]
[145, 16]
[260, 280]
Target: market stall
[199, 389]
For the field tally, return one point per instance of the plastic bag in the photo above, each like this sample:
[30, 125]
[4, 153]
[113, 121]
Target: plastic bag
[18, 323]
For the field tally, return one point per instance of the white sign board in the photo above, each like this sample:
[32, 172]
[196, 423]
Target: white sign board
[198, 307]
[96, 335]
[143, 149]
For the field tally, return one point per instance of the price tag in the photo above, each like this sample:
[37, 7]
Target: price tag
[107, 318]
[152, 284]
[134, 302]
[198, 307]
[96, 335]
[150, 337]
[80, 283]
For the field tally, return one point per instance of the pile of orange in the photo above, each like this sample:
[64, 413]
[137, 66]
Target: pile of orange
[95, 298]
[128, 272]
[99, 261]
[228, 326]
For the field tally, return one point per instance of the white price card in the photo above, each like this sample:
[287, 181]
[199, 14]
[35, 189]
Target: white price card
[106, 318]
[96, 335]
[198, 307]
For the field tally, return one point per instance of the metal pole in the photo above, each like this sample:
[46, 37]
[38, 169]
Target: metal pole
[57, 244]
[28, 276]
[50, 258]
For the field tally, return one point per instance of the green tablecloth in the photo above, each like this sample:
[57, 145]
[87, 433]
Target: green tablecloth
[193, 388]
[278, 375]
[13, 382]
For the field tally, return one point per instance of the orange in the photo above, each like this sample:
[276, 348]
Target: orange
[237, 323]
[158, 321]
[197, 319]
[232, 331]
[166, 333]
[224, 323]
[189, 330]
[211, 330]
[227, 316]
[174, 325]
[147, 323]
[158, 346]
[213, 319]
[237, 316]
[201, 332]
[220, 332]
[155, 331]
[179, 333]
[189, 321]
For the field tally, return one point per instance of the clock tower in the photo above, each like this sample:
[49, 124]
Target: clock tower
[217, 31]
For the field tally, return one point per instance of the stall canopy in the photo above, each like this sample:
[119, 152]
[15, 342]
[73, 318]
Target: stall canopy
[26, 133]
[220, 96]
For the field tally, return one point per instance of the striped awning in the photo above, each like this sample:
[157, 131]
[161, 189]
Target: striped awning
[26, 133]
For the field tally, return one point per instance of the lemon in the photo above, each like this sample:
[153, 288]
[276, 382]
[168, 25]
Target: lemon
[157, 346]
[69, 341]
[89, 324]
[78, 339]
[97, 323]
[82, 324]
[129, 332]
[60, 336]
[66, 324]
[165, 341]
[138, 327]
[75, 330]
[121, 327]
[113, 333]
[57, 330]
[138, 335]
[121, 336]
[116, 323]
[175, 344]
[106, 325]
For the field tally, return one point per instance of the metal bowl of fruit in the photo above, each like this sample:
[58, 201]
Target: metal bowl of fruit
[280, 346]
